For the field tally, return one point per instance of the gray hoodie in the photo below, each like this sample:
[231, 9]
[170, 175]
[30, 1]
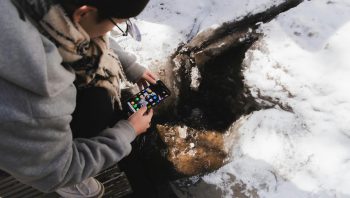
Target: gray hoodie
[37, 98]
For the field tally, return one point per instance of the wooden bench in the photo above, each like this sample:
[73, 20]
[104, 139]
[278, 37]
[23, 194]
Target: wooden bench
[115, 182]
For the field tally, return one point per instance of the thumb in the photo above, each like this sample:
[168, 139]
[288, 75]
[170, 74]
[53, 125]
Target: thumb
[150, 113]
[142, 110]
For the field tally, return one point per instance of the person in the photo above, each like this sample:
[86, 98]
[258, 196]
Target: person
[53, 52]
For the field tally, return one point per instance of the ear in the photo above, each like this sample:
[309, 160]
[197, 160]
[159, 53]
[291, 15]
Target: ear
[83, 12]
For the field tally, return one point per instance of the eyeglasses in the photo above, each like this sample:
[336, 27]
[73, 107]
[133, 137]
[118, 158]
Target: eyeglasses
[131, 29]
[124, 33]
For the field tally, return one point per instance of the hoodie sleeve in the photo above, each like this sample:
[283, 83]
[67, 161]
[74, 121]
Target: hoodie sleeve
[132, 69]
[42, 154]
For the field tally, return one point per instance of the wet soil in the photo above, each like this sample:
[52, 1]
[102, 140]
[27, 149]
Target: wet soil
[220, 99]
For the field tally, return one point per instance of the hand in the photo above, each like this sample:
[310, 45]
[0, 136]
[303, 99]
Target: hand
[141, 120]
[147, 77]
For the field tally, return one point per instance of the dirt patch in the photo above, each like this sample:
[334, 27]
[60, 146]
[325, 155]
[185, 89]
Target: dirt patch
[191, 151]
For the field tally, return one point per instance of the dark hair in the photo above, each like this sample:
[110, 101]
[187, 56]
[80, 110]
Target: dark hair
[121, 9]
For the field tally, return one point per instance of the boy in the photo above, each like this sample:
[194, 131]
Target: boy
[45, 46]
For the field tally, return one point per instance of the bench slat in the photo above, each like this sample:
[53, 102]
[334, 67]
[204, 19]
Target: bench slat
[115, 182]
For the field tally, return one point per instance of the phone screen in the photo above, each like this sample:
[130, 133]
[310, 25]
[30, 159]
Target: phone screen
[149, 97]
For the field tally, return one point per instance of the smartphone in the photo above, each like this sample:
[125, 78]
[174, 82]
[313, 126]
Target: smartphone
[149, 97]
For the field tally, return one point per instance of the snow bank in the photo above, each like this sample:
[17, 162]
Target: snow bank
[302, 62]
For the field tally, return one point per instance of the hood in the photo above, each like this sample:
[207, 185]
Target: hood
[27, 58]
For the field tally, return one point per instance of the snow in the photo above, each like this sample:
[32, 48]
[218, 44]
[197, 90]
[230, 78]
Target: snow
[305, 152]
[302, 63]
[182, 132]
[165, 24]
[195, 78]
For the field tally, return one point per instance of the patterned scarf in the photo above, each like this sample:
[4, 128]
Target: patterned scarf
[94, 64]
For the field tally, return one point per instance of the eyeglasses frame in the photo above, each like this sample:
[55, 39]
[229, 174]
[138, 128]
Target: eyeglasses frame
[124, 33]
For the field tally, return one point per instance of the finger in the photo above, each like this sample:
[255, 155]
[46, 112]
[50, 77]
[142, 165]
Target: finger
[150, 114]
[153, 76]
[142, 110]
[153, 79]
[150, 78]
